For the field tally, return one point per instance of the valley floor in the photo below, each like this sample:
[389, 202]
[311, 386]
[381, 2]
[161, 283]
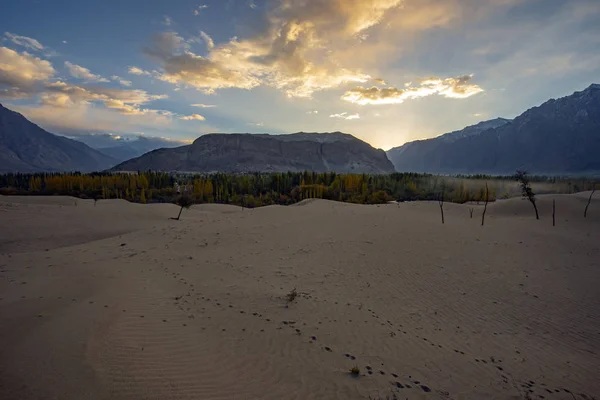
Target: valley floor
[117, 301]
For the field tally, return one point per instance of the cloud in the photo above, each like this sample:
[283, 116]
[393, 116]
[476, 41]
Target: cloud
[64, 42]
[202, 7]
[182, 67]
[80, 72]
[127, 102]
[20, 73]
[122, 81]
[13, 93]
[203, 105]
[251, 4]
[123, 108]
[295, 52]
[193, 117]
[255, 124]
[457, 88]
[243, 65]
[24, 41]
[26, 76]
[312, 112]
[85, 107]
[166, 20]
[345, 115]
[86, 117]
[138, 71]
[208, 40]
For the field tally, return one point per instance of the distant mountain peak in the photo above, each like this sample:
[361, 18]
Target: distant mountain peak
[472, 130]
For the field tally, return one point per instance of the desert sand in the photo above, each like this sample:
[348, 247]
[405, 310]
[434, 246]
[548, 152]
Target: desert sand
[117, 301]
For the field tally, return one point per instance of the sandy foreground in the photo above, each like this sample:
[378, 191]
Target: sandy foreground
[116, 301]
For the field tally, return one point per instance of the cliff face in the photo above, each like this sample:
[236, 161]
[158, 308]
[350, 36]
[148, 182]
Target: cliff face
[237, 153]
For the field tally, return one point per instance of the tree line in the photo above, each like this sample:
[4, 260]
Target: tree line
[259, 189]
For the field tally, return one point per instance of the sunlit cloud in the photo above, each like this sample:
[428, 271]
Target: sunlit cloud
[122, 81]
[24, 41]
[457, 88]
[128, 102]
[85, 74]
[21, 72]
[242, 65]
[197, 10]
[193, 117]
[345, 115]
[85, 106]
[312, 112]
[208, 40]
[138, 71]
[182, 67]
[293, 53]
[200, 105]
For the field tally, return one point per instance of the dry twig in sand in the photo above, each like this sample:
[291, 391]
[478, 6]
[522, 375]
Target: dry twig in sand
[441, 203]
[588, 203]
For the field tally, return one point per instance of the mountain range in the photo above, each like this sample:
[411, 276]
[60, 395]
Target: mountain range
[125, 148]
[25, 147]
[559, 137]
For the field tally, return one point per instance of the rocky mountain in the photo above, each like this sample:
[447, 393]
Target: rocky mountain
[558, 137]
[236, 153]
[25, 147]
[417, 156]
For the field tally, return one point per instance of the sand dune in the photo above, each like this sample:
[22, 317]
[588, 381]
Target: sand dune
[116, 301]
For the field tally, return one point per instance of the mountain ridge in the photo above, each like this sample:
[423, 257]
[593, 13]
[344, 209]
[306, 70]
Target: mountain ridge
[26, 147]
[245, 152]
[560, 136]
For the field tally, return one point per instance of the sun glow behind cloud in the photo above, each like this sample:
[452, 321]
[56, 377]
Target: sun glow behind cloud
[402, 58]
[457, 88]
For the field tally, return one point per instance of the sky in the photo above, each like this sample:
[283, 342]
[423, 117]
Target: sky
[385, 71]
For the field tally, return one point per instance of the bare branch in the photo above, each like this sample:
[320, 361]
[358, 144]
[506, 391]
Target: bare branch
[487, 199]
[588, 203]
[441, 203]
